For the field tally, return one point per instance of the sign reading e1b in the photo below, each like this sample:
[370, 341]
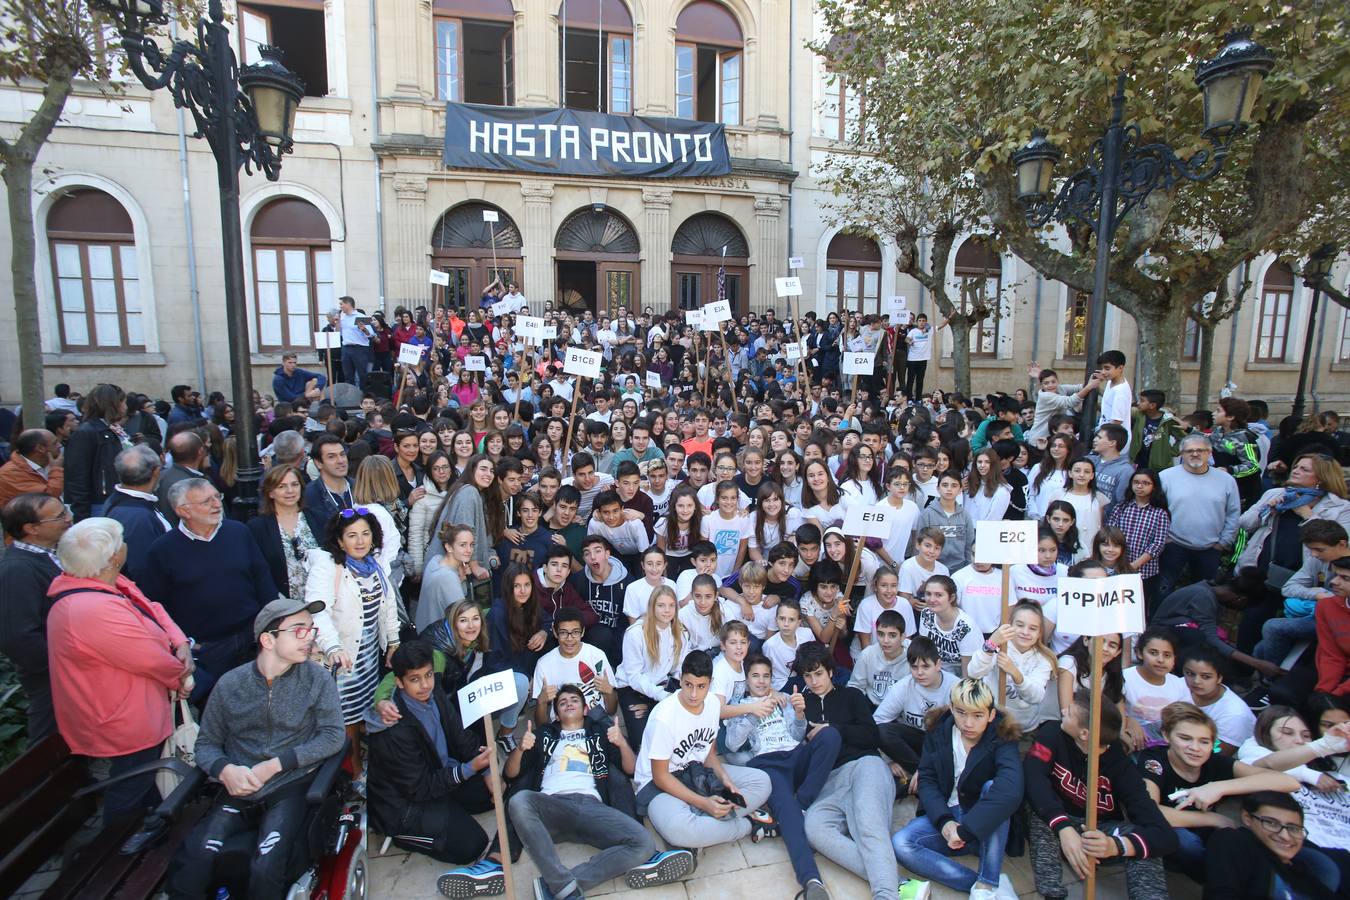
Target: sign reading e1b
[870, 521]
[1005, 543]
[486, 695]
[1096, 606]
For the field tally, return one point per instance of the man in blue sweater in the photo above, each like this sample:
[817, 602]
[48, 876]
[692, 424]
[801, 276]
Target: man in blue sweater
[289, 382]
[212, 578]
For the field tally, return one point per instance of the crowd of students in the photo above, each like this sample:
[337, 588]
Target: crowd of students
[694, 640]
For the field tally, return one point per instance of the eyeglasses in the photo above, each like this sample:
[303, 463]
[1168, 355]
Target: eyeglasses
[358, 511]
[571, 633]
[300, 631]
[1275, 826]
[62, 516]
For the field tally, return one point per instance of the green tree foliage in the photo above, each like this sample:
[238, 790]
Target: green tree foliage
[953, 88]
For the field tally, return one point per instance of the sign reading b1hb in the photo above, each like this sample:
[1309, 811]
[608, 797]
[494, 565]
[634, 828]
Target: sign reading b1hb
[486, 695]
[1005, 543]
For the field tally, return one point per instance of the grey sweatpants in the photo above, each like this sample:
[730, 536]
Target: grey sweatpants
[1144, 878]
[544, 820]
[683, 826]
[850, 823]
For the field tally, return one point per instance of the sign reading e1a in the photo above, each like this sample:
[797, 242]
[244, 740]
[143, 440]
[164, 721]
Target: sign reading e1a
[1005, 543]
[486, 695]
[1096, 606]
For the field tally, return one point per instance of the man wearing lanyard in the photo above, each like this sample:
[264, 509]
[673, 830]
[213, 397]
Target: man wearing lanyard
[356, 334]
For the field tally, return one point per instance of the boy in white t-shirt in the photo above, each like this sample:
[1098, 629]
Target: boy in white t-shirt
[883, 662]
[1234, 721]
[703, 555]
[781, 648]
[922, 565]
[572, 662]
[1117, 397]
[681, 730]
[980, 589]
[900, 717]
[636, 595]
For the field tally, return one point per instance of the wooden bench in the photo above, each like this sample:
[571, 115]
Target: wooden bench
[47, 796]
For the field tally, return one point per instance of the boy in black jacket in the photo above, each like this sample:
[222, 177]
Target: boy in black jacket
[566, 787]
[988, 787]
[850, 822]
[427, 779]
[1056, 769]
[1257, 862]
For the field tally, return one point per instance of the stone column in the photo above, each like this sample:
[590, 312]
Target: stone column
[656, 248]
[767, 252]
[407, 38]
[409, 242]
[537, 243]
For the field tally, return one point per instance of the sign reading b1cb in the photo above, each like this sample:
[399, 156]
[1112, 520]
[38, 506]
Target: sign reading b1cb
[585, 363]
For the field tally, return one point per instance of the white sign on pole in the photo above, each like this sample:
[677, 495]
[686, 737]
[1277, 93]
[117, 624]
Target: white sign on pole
[410, 354]
[583, 362]
[439, 277]
[870, 521]
[896, 305]
[654, 379]
[1096, 606]
[794, 351]
[503, 307]
[859, 363]
[489, 215]
[694, 317]
[327, 340]
[531, 327]
[796, 262]
[788, 287]
[549, 333]
[475, 363]
[1005, 543]
[717, 311]
[486, 695]
[903, 317]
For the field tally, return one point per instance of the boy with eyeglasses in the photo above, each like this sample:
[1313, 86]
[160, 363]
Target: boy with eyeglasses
[573, 662]
[268, 726]
[1259, 860]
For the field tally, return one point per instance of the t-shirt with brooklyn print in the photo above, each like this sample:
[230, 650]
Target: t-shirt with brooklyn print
[674, 733]
[962, 639]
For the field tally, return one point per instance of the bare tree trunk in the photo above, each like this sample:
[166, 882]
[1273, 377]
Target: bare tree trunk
[1204, 385]
[19, 192]
[1159, 350]
[960, 326]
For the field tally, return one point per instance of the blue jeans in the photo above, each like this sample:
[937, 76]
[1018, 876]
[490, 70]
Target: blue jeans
[796, 777]
[356, 363]
[923, 850]
[1279, 635]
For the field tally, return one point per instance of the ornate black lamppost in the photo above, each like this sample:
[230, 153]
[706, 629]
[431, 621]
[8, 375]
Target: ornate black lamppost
[1122, 170]
[247, 117]
[1315, 273]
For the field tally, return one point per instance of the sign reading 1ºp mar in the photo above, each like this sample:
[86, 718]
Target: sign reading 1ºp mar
[1096, 606]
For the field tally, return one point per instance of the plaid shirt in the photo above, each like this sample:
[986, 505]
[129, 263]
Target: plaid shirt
[1146, 529]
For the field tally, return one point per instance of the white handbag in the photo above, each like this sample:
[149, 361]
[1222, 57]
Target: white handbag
[180, 744]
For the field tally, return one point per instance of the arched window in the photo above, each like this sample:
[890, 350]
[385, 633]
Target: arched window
[1277, 302]
[475, 51]
[93, 251]
[979, 271]
[597, 55]
[292, 273]
[697, 260]
[709, 64]
[853, 273]
[466, 246]
[596, 255]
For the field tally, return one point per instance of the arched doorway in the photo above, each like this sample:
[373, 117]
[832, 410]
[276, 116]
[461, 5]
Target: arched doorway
[853, 273]
[465, 246]
[597, 262]
[697, 253]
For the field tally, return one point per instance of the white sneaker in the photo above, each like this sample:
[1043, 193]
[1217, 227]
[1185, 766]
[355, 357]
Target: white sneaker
[1006, 891]
[982, 893]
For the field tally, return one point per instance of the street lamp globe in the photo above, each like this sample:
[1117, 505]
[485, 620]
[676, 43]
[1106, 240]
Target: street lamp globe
[1230, 82]
[1318, 267]
[1035, 166]
[275, 93]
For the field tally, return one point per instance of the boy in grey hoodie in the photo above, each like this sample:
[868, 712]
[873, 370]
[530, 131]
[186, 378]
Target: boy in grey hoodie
[267, 727]
[955, 523]
[602, 581]
[1053, 398]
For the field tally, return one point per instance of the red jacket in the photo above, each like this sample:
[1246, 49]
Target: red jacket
[112, 666]
[1333, 646]
[551, 600]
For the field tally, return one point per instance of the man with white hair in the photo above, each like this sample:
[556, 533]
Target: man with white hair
[35, 523]
[1205, 507]
[288, 449]
[134, 504]
[212, 578]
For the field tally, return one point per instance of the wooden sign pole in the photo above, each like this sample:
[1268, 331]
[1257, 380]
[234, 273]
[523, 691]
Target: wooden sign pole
[328, 367]
[853, 569]
[498, 806]
[890, 392]
[1093, 761]
[520, 367]
[571, 420]
[726, 360]
[707, 371]
[801, 340]
[1003, 620]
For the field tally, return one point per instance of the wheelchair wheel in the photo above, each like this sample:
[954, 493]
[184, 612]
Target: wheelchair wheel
[357, 880]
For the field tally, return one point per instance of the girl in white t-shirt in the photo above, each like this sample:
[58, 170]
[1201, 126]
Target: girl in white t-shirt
[772, 522]
[821, 503]
[861, 481]
[1081, 493]
[681, 528]
[636, 595]
[1016, 649]
[1050, 473]
[987, 495]
[1075, 674]
[727, 529]
[906, 513]
[951, 630]
[1150, 686]
[704, 615]
[1040, 583]
[885, 594]
[653, 649]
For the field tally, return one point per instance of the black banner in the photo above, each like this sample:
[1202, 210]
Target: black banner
[574, 142]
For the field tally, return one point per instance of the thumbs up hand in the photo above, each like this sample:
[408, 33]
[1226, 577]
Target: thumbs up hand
[527, 739]
[798, 701]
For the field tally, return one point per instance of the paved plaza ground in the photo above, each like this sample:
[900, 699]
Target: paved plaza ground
[739, 871]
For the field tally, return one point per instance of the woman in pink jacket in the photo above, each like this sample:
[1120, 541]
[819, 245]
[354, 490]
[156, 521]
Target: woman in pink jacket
[117, 661]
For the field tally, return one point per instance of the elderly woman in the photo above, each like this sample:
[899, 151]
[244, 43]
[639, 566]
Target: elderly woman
[361, 619]
[117, 662]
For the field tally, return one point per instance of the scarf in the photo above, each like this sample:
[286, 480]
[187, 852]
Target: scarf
[1294, 497]
[365, 567]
